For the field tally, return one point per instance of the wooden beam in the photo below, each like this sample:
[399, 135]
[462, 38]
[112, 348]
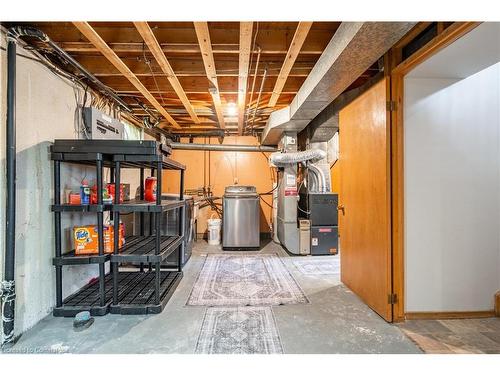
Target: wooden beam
[153, 45]
[298, 40]
[101, 45]
[104, 72]
[448, 36]
[190, 66]
[175, 48]
[245, 47]
[125, 90]
[197, 84]
[203, 36]
[412, 34]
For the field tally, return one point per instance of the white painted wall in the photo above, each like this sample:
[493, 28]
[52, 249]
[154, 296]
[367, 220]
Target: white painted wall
[498, 123]
[452, 192]
[45, 111]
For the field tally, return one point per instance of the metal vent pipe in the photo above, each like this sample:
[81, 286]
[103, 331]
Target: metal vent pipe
[204, 147]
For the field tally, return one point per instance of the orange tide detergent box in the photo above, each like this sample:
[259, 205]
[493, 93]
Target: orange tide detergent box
[86, 239]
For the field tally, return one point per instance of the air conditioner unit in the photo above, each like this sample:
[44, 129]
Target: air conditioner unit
[98, 125]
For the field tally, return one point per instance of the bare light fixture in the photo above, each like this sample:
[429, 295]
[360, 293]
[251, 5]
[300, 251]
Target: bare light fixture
[231, 109]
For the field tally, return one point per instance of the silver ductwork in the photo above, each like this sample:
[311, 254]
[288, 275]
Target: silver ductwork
[281, 159]
[351, 51]
[324, 126]
[320, 176]
[312, 178]
[306, 158]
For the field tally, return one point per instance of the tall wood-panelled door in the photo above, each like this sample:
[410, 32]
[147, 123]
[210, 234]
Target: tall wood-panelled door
[364, 198]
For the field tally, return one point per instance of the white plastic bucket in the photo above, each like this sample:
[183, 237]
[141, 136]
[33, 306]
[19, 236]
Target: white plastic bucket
[214, 226]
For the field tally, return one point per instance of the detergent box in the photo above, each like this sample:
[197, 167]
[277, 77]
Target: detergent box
[85, 239]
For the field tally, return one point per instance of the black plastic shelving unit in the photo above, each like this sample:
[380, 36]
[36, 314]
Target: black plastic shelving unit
[73, 304]
[153, 287]
[120, 292]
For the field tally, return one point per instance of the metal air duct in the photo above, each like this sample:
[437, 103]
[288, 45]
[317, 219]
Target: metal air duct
[351, 51]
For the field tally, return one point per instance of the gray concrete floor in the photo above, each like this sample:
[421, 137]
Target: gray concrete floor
[336, 321]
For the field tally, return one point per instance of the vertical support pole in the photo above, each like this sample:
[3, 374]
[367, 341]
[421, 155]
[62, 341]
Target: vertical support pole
[182, 224]
[116, 234]
[158, 230]
[8, 285]
[58, 230]
[112, 181]
[141, 215]
[141, 196]
[152, 217]
[158, 204]
[100, 229]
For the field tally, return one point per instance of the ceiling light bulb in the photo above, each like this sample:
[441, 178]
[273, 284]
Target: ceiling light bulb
[231, 109]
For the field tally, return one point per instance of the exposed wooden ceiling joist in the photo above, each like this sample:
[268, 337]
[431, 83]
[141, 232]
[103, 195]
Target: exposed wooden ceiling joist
[179, 43]
[198, 84]
[153, 45]
[297, 42]
[101, 45]
[244, 60]
[174, 48]
[203, 35]
[192, 66]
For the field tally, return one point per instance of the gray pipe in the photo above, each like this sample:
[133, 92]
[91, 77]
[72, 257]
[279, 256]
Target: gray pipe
[203, 147]
[314, 181]
[7, 287]
[316, 185]
[321, 177]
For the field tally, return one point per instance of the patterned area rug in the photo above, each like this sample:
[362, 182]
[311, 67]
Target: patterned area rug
[329, 265]
[239, 330]
[244, 280]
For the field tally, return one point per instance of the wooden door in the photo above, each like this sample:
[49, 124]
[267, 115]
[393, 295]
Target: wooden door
[364, 199]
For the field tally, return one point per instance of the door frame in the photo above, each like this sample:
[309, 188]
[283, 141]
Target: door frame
[396, 70]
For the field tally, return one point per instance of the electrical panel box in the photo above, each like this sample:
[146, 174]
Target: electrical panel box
[98, 125]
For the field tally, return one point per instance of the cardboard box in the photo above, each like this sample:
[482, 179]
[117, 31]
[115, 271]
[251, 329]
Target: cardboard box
[85, 239]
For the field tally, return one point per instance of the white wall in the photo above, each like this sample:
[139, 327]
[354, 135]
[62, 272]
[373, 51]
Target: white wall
[45, 111]
[452, 192]
[498, 125]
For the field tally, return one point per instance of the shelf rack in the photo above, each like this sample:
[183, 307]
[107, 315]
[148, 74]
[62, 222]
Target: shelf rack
[119, 292]
[150, 294]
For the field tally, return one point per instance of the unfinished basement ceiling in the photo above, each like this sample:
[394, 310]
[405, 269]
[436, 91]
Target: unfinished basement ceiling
[180, 44]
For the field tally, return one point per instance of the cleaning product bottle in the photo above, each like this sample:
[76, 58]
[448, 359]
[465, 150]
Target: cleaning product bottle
[85, 192]
[150, 189]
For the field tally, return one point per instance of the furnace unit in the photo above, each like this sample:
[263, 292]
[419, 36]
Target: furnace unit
[321, 211]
